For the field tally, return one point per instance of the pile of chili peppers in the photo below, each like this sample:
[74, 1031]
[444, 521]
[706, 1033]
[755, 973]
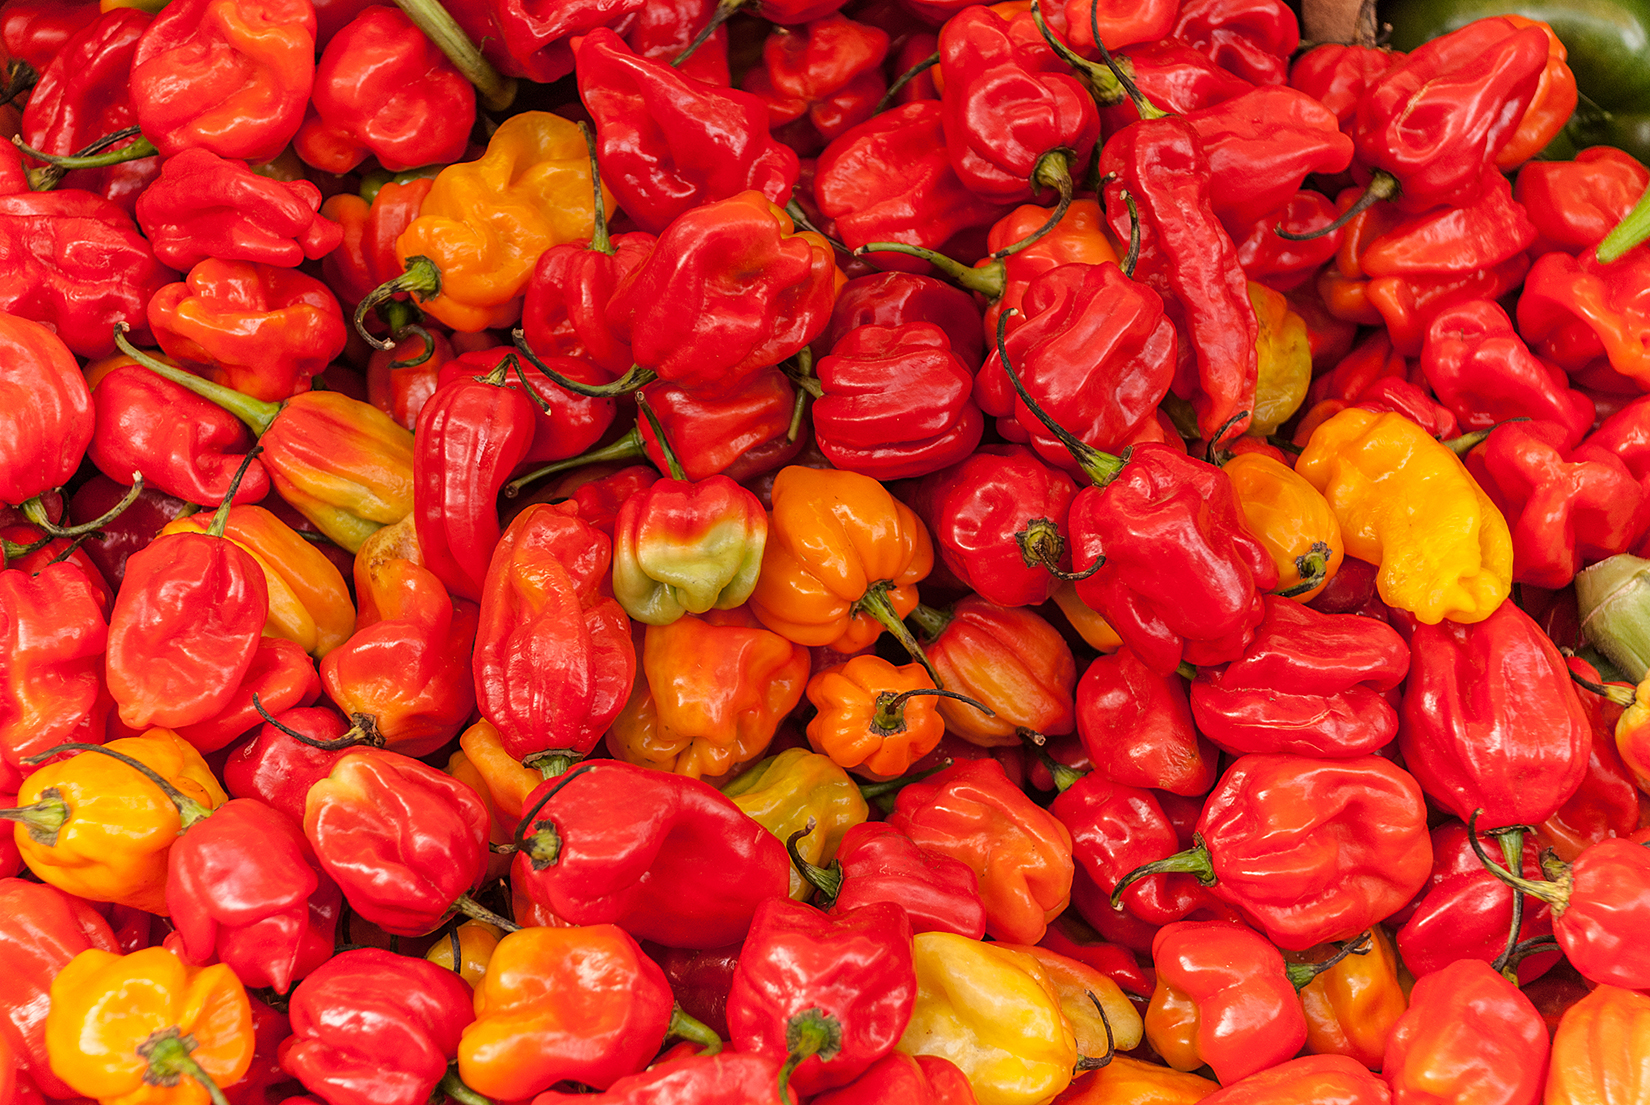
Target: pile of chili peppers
[775, 551]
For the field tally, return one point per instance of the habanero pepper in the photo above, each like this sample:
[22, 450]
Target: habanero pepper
[47, 420]
[1598, 1050]
[877, 863]
[366, 256]
[1310, 1078]
[1252, 38]
[724, 1078]
[872, 716]
[923, 1080]
[829, 70]
[1291, 519]
[1009, 660]
[564, 422]
[280, 677]
[788, 792]
[1575, 204]
[1351, 1006]
[277, 766]
[1136, 726]
[1470, 1034]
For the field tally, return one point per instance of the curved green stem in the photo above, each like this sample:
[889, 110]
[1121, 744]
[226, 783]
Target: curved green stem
[692, 1029]
[600, 240]
[889, 716]
[800, 218]
[363, 731]
[636, 378]
[257, 414]
[453, 1086]
[476, 911]
[1312, 566]
[543, 843]
[888, 786]
[1555, 893]
[725, 10]
[1302, 974]
[220, 518]
[1382, 185]
[1100, 467]
[494, 90]
[136, 151]
[35, 511]
[421, 280]
[1193, 861]
[43, 819]
[810, 1032]
[672, 465]
[1132, 258]
[930, 621]
[1088, 1063]
[628, 447]
[189, 810]
[1101, 80]
[875, 603]
[988, 280]
[1628, 233]
[1621, 696]
[826, 880]
[1053, 171]
[1064, 775]
[168, 1052]
[904, 79]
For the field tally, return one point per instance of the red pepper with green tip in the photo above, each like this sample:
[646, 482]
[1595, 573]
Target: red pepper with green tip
[205, 206]
[230, 76]
[666, 857]
[832, 994]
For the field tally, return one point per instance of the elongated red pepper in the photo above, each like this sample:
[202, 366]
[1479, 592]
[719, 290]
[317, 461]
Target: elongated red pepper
[53, 632]
[46, 418]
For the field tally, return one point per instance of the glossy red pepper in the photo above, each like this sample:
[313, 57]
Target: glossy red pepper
[832, 994]
[1469, 1034]
[277, 768]
[281, 677]
[725, 1078]
[1006, 658]
[1136, 725]
[46, 417]
[913, 1080]
[829, 70]
[1337, 75]
[565, 312]
[1574, 204]
[1253, 38]
[877, 863]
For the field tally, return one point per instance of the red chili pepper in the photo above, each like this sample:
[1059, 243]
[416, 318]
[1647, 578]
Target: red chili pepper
[1490, 721]
[1309, 683]
[1607, 802]
[877, 863]
[665, 28]
[564, 423]
[243, 886]
[1574, 204]
[33, 31]
[666, 857]
[725, 1078]
[895, 298]
[280, 677]
[668, 144]
[1281, 263]
[205, 206]
[277, 768]
[384, 90]
[829, 70]
[1337, 76]
[896, 402]
[185, 96]
[1253, 38]
[1136, 725]
[373, 1028]
[52, 639]
[403, 841]
[831, 993]
[911, 1080]
[565, 313]
[1469, 1034]
[47, 417]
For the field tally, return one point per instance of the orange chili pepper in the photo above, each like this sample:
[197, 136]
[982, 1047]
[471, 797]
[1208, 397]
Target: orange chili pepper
[144, 1029]
[873, 715]
[1352, 1006]
[1601, 1051]
[1292, 519]
[1550, 108]
[1125, 1081]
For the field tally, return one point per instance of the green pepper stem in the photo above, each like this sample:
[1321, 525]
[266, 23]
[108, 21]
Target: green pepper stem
[682, 1026]
[1628, 233]
[889, 716]
[1053, 171]
[421, 279]
[930, 622]
[889, 786]
[1193, 861]
[1302, 974]
[1466, 443]
[189, 810]
[44, 819]
[875, 603]
[1041, 543]
[637, 377]
[137, 150]
[35, 511]
[1312, 566]
[168, 1052]
[543, 843]
[904, 79]
[725, 10]
[628, 447]
[1101, 468]
[988, 280]
[494, 90]
[827, 880]
[453, 1086]
[600, 240]
[220, 518]
[1101, 80]
[800, 218]
[363, 731]
[552, 763]
[808, 1033]
[257, 414]
[417, 331]
[1132, 258]
[1512, 854]
[672, 466]
[475, 910]
[1621, 696]
[1382, 186]
[1065, 776]
[1556, 893]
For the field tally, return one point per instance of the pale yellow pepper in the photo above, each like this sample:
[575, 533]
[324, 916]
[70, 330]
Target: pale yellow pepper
[783, 793]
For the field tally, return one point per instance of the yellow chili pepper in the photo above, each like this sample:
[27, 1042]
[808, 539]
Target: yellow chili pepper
[995, 1013]
[1285, 356]
[1351, 1006]
[476, 941]
[309, 603]
[98, 828]
[1102, 1017]
[1408, 504]
[1126, 1081]
[783, 793]
[1291, 519]
[712, 691]
[1089, 625]
[485, 223]
[144, 1029]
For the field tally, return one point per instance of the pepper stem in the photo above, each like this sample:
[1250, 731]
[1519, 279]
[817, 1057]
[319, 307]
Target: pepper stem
[1132, 258]
[543, 843]
[475, 910]
[889, 716]
[637, 376]
[189, 810]
[91, 160]
[220, 519]
[889, 786]
[1521, 951]
[906, 78]
[35, 511]
[875, 603]
[1312, 566]
[800, 218]
[495, 91]
[1382, 186]
[1555, 893]
[363, 731]
[1512, 854]
[682, 1026]
[257, 414]
[1088, 1063]
[724, 11]
[1041, 543]
[1628, 233]
[1053, 171]
[827, 880]
[1621, 696]
[43, 819]
[1101, 80]
[672, 465]
[417, 331]
[1194, 861]
[930, 621]
[1065, 776]
[1466, 443]
[812, 1032]
[989, 281]
[453, 1086]
[1302, 974]
[552, 763]
[628, 447]
[1100, 467]
[421, 279]
[600, 241]
[168, 1052]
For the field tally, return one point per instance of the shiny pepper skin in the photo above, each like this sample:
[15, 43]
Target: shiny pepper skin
[1011, 660]
[1601, 1051]
[1469, 1035]
[46, 416]
[685, 547]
